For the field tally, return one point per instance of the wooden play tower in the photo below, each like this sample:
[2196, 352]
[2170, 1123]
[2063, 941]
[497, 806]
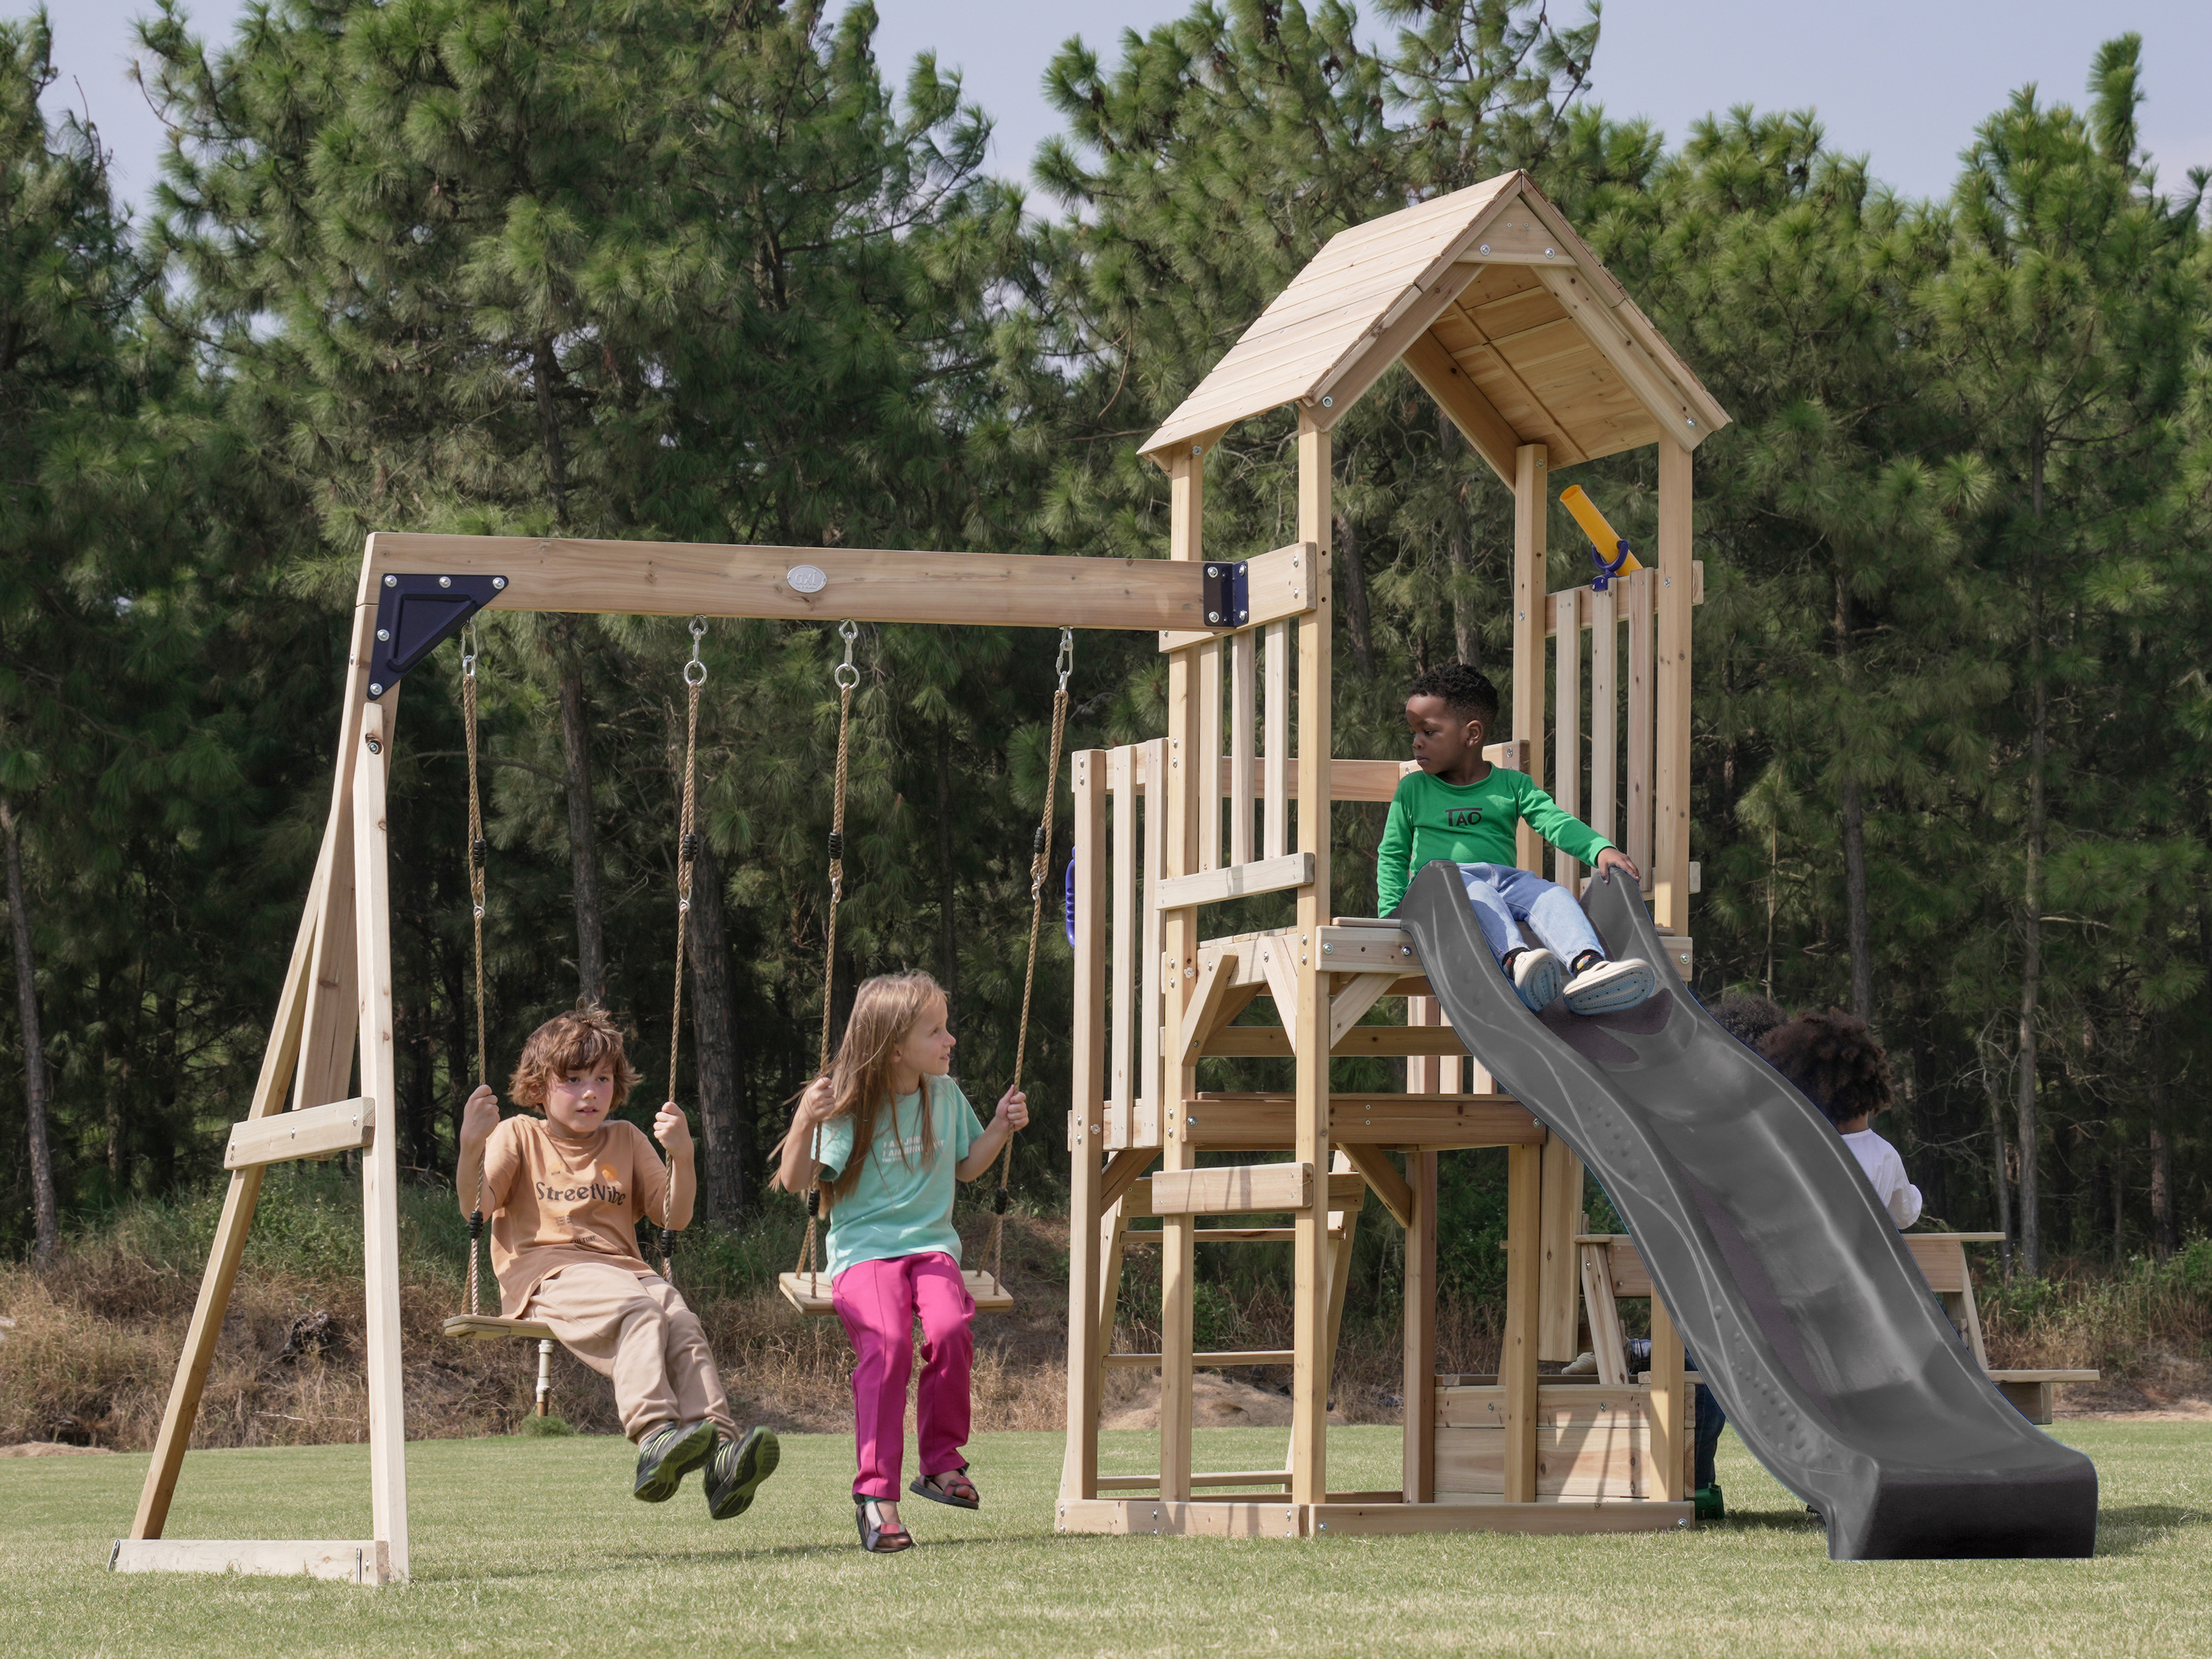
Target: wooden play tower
[1540, 359]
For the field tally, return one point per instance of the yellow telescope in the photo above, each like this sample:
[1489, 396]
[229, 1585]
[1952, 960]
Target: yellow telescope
[1608, 547]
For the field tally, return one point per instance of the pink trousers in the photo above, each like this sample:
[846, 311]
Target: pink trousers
[877, 1302]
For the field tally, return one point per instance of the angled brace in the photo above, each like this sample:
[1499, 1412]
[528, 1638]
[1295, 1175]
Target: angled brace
[415, 615]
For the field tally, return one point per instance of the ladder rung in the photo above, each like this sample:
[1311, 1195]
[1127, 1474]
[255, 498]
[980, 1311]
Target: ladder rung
[1212, 1362]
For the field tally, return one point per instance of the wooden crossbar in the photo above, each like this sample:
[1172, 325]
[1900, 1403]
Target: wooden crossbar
[343, 1125]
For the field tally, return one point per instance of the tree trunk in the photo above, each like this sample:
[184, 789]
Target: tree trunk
[418, 1086]
[545, 368]
[948, 929]
[2031, 975]
[1858, 925]
[722, 1119]
[583, 837]
[45, 1207]
[2164, 1235]
[2119, 1199]
[1359, 626]
[2001, 1179]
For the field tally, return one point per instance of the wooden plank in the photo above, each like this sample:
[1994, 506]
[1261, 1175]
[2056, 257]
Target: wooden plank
[1670, 803]
[1211, 1477]
[1122, 1170]
[1669, 408]
[1223, 1360]
[1637, 592]
[1608, 1343]
[684, 578]
[1941, 1260]
[380, 1163]
[352, 1561]
[1275, 745]
[1560, 1219]
[1263, 1122]
[1670, 1399]
[1239, 1190]
[1488, 432]
[1216, 885]
[1613, 1463]
[1562, 1403]
[1605, 716]
[1087, 1123]
[1281, 974]
[1563, 1519]
[1418, 1382]
[1208, 690]
[811, 1293]
[1566, 610]
[1516, 1365]
[1168, 1517]
[1277, 585]
[1382, 1175]
[1343, 1235]
[1308, 1457]
[1217, 978]
[1113, 1245]
[278, 1060]
[1150, 1035]
[317, 1132]
[1121, 944]
[1354, 999]
[488, 1328]
[1376, 1042]
[1242, 696]
[1530, 496]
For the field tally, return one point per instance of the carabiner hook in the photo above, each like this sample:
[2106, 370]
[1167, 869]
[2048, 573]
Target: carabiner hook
[845, 674]
[1066, 664]
[698, 633]
[468, 644]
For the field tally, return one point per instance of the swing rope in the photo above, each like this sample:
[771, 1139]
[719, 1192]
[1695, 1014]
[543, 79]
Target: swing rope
[1040, 866]
[477, 852]
[846, 677]
[687, 854]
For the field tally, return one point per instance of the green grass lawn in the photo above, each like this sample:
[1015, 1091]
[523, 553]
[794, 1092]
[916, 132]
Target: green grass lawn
[535, 1547]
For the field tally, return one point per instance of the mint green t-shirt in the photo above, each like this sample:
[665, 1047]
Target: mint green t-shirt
[900, 1206]
[1470, 824]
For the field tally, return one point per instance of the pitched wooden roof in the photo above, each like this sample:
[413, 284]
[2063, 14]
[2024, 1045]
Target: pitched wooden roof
[1496, 307]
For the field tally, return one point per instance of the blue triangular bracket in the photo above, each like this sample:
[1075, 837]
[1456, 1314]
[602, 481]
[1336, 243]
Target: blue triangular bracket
[1226, 590]
[415, 615]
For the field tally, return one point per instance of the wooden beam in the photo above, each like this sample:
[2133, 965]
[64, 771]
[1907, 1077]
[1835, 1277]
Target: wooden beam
[1516, 1364]
[1235, 881]
[1267, 1122]
[1151, 1034]
[684, 579]
[1370, 359]
[1244, 1189]
[1670, 847]
[1670, 1427]
[1277, 585]
[1363, 1042]
[1353, 1000]
[1122, 1170]
[1374, 1163]
[1561, 1221]
[1419, 1383]
[1216, 979]
[354, 1561]
[1531, 498]
[316, 1132]
[1086, 1125]
[1244, 695]
[1123, 934]
[1220, 1360]
[1661, 399]
[379, 1163]
[1487, 431]
[1608, 1343]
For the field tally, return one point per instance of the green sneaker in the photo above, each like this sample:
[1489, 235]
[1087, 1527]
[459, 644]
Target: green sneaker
[736, 1470]
[1709, 1504]
[666, 1455]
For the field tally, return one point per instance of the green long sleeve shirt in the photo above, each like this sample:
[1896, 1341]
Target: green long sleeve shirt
[1470, 823]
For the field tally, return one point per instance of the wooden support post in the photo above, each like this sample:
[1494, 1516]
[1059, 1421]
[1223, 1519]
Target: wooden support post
[1605, 717]
[1086, 1119]
[1154, 1089]
[1185, 798]
[1310, 1384]
[1419, 1390]
[278, 1060]
[1567, 724]
[1561, 1219]
[1516, 1359]
[1275, 716]
[1670, 850]
[379, 1162]
[1640, 706]
[1241, 716]
[1121, 1089]
[1670, 1427]
[1531, 565]
[1208, 689]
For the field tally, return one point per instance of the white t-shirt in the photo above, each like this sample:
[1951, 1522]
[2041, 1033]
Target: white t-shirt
[1887, 1170]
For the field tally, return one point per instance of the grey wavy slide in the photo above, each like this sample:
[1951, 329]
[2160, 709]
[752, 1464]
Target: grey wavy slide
[1788, 1282]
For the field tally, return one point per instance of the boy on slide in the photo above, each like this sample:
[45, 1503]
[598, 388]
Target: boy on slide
[565, 1192]
[1459, 807]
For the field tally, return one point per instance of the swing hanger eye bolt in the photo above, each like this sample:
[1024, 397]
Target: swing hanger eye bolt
[845, 674]
[694, 672]
[1065, 664]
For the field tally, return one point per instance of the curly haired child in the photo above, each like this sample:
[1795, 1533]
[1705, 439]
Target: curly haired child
[1836, 1060]
[566, 1190]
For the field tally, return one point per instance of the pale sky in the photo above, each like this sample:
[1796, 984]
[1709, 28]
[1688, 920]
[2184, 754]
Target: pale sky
[1904, 81]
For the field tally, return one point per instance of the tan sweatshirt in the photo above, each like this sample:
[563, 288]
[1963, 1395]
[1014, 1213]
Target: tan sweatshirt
[558, 1199]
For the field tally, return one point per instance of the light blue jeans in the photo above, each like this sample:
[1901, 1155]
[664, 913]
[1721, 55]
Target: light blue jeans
[1505, 896]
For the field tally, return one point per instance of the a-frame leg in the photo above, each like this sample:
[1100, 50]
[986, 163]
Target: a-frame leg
[380, 1163]
[278, 1062]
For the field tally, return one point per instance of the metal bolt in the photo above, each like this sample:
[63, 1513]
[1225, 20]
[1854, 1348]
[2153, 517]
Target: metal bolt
[1213, 615]
[1198, 449]
[1294, 562]
[1547, 253]
[376, 690]
[1213, 571]
[1243, 616]
[499, 584]
[1405, 950]
[1327, 949]
[445, 582]
[1689, 420]
[1486, 247]
[374, 747]
[392, 582]
[1328, 403]
[383, 633]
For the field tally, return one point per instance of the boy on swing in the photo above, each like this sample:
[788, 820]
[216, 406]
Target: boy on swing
[565, 1192]
[1459, 807]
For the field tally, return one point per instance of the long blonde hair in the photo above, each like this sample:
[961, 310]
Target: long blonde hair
[885, 1010]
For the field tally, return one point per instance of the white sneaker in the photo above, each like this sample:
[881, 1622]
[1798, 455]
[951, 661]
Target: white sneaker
[1606, 988]
[1537, 975]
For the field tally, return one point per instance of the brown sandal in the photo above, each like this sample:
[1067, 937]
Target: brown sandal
[878, 1537]
[950, 1486]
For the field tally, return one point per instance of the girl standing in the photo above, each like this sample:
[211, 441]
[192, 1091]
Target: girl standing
[887, 1131]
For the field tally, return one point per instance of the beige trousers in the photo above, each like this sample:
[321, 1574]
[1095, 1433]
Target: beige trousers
[639, 1333]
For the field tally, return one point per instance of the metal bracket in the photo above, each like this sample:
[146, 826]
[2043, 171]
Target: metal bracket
[415, 615]
[1607, 569]
[1227, 595]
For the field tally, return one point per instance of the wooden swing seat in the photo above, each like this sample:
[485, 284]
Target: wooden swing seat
[489, 1328]
[810, 1292]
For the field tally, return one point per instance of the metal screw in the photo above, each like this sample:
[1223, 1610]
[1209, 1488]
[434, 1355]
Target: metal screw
[1294, 563]
[1328, 403]
[374, 747]
[1486, 247]
[445, 582]
[1547, 253]
[1405, 950]
[1689, 420]
[1327, 949]
[383, 633]
[392, 582]
[375, 689]
[1213, 571]
[499, 584]
[1243, 616]
[1213, 615]
[1198, 449]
